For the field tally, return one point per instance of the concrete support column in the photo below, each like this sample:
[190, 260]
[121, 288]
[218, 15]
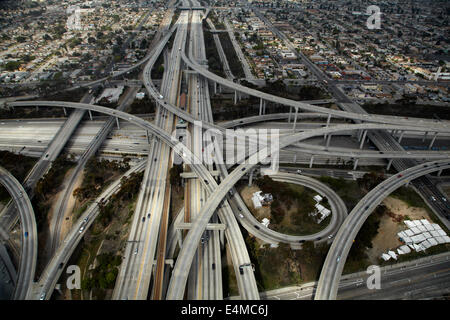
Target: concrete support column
[311, 162]
[180, 238]
[117, 122]
[90, 114]
[260, 106]
[363, 139]
[295, 158]
[250, 179]
[65, 112]
[360, 134]
[222, 238]
[389, 164]
[215, 87]
[401, 136]
[37, 108]
[328, 120]
[275, 163]
[264, 107]
[439, 173]
[356, 164]
[432, 141]
[328, 140]
[295, 119]
[290, 112]
[148, 136]
[235, 97]
[425, 136]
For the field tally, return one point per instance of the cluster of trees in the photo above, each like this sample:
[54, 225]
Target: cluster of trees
[233, 60]
[17, 164]
[363, 240]
[129, 187]
[279, 88]
[48, 185]
[96, 173]
[146, 105]
[214, 64]
[370, 180]
[298, 265]
[158, 70]
[175, 174]
[279, 190]
[406, 108]
[54, 177]
[104, 275]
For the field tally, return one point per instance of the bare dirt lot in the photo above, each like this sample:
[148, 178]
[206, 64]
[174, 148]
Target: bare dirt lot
[260, 213]
[387, 232]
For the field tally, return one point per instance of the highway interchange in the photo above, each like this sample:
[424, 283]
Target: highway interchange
[151, 242]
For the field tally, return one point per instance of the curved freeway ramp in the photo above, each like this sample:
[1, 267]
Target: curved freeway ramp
[28, 256]
[337, 255]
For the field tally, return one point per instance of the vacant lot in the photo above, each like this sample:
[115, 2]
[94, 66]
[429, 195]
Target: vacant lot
[387, 238]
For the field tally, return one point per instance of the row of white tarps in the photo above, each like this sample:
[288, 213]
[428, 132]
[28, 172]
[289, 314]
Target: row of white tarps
[420, 235]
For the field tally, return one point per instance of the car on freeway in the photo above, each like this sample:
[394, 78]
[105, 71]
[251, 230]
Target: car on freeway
[338, 258]
[143, 219]
[136, 251]
[399, 176]
[257, 228]
[148, 215]
[26, 234]
[85, 219]
[81, 229]
[161, 97]
[433, 198]
[60, 265]
[299, 171]
[42, 297]
[240, 215]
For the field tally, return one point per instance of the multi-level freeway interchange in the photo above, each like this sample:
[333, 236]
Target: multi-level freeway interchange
[145, 255]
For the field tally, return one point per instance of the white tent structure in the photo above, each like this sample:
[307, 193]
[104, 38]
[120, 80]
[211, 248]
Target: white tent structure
[392, 254]
[385, 257]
